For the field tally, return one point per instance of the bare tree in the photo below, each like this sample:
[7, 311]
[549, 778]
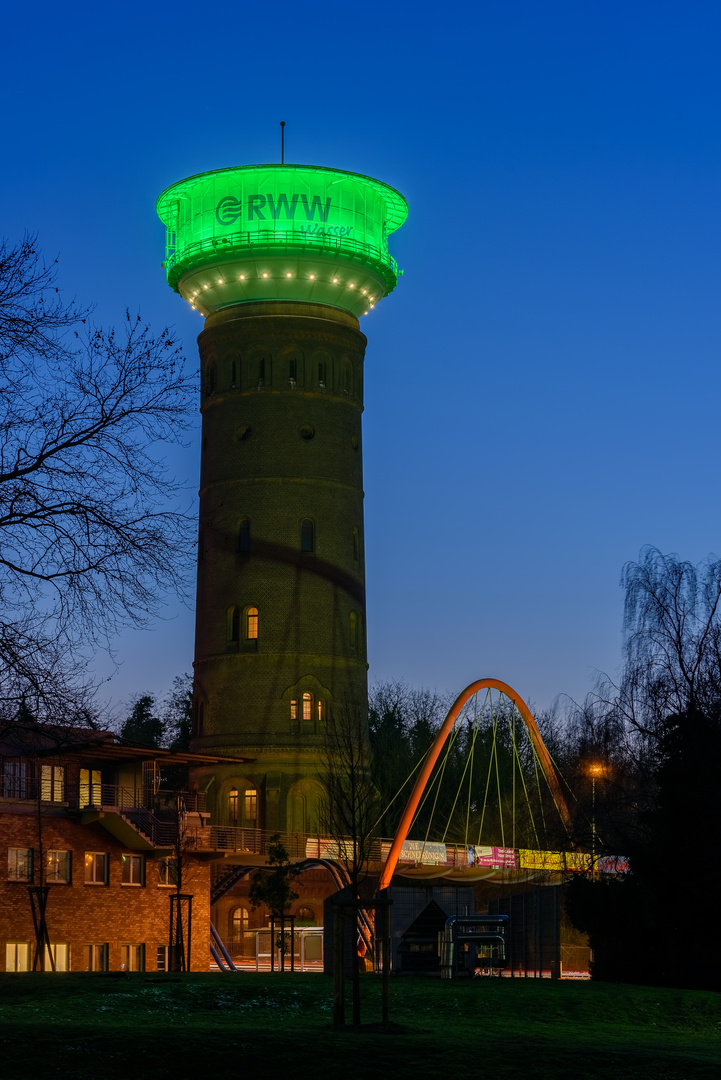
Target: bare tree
[351, 809]
[90, 531]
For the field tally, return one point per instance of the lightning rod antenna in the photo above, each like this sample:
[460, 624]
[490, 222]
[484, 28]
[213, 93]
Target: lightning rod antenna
[282, 142]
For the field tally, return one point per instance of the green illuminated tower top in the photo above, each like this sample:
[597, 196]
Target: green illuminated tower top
[281, 232]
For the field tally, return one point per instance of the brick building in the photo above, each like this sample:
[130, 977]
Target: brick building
[91, 821]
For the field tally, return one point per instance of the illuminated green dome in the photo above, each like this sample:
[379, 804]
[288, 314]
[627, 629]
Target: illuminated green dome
[281, 232]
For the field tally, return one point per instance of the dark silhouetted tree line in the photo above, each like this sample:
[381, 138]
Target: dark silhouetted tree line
[661, 730]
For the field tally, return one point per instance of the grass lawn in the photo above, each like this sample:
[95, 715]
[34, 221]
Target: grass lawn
[103, 1027]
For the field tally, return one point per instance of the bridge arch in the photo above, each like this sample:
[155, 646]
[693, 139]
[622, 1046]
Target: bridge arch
[425, 774]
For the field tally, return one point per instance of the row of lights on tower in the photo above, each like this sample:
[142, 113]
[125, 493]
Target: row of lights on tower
[311, 277]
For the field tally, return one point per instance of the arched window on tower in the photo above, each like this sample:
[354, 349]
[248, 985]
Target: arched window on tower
[233, 806]
[239, 923]
[251, 624]
[307, 536]
[294, 710]
[322, 374]
[210, 381]
[250, 806]
[307, 708]
[233, 624]
[320, 713]
[244, 537]
[261, 371]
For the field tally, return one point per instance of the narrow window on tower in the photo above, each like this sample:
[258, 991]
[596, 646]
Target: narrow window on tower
[356, 544]
[307, 709]
[233, 806]
[251, 630]
[261, 372]
[244, 537]
[292, 372]
[233, 373]
[233, 624]
[307, 536]
[353, 630]
[294, 710]
[322, 375]
[320, 712]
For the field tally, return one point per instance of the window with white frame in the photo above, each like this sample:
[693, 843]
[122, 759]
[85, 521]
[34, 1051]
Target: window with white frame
[17, 956]
[96, 868]
[132, 957]
[168, 870]
[52, 783]
[57, 867]
[133, 870]
[20, 864]
[95, 957]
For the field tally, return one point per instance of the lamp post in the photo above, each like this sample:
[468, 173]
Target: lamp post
[594, 770]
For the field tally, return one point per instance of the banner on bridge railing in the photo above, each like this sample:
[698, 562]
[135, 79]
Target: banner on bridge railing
[418, 851]
[498, 858]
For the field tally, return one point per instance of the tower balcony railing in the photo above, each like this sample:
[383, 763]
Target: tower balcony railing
[231, 243]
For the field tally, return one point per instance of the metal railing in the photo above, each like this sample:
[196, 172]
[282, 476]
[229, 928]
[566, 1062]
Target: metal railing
[91, 796]
[285, 238]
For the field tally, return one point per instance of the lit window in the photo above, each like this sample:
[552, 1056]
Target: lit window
[20, 864]
[52, 783]
[252, 624]
[244, 537]
[251, 805]
[61, 956]
[319, 710]
[233, 805]
[96, 868]
[95, 957]
[132, 958]
[17, 956]
[168, 870]
[90, 788]
[133, 867]
[239, 921]
[307, 536]
[57, 867]
[307, 706]
[294, 709]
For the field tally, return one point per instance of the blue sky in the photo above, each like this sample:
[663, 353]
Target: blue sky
[541, 389]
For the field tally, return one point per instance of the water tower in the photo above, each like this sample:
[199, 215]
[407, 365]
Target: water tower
[282, 261]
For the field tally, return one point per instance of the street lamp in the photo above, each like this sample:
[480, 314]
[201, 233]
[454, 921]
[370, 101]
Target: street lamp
[594, 771]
